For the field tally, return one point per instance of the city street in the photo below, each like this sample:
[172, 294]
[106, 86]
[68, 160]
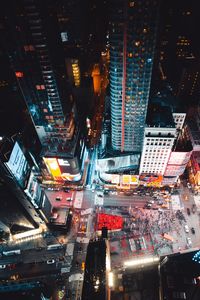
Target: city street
[149, 224]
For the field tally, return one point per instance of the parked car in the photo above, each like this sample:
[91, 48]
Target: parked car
[188, 211]
[100, 195]
[151, 201]
[58, 198]
[189, 242]
[148, 205]
[186, 228]
[193, 230]
[2, 266]
[50, 261]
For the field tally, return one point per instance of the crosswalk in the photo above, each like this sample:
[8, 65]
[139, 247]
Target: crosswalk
[98, 200]
[78, 199]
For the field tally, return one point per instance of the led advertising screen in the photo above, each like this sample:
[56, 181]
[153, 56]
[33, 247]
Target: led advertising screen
[63, 169]
[151, 179]
[119, 162]
[18, 165]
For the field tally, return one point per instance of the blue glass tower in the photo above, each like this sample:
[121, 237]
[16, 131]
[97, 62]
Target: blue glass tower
[132, 41]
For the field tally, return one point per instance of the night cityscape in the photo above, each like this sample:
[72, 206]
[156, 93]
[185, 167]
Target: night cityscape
[99, 150]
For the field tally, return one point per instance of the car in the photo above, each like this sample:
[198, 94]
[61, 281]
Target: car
[148, 205]
[50, 261]
[188, 211]
[83, 228]
[2, 266]
[164, 206]
[58, 198]
[69, 199]
[83, 266]
[189, 185]
[99, 195]
[186, 228]
[193, 230]
[189, 242]
[106, 192]
[193, 208]
[151, 201]
[66, 190]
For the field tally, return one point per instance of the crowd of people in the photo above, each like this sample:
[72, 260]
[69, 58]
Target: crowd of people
[154, 224]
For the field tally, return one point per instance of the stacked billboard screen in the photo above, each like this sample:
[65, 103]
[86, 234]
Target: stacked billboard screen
[18, 165]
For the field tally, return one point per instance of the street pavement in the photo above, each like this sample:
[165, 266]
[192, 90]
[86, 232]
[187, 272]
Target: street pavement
[86, 203]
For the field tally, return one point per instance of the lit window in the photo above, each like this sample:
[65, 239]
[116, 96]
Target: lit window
[131, 4]
[28, 48]
[19, 74]
[40, 87]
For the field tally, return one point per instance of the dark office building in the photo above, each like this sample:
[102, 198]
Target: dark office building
[180, 277]
[34, 45]
[176, 46]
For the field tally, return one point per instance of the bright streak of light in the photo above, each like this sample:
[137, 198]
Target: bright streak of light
[108, 263]
[26, 225]
[143, 261]
[110, 279]
[29, 238]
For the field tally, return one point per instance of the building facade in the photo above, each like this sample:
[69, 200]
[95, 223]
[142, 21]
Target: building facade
[39, 68]
[132, 40]
[36, 53]
[158, 143]
[160, 134]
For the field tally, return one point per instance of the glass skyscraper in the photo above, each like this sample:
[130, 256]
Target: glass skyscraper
[132, 41]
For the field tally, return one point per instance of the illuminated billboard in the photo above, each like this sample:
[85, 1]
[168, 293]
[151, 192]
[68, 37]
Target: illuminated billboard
[115, 178]
[18, 165]
[151, 179]
[69, 168]
[63, 169]
[126, 179]
[119, 162]
[134, 179]
[53, 167]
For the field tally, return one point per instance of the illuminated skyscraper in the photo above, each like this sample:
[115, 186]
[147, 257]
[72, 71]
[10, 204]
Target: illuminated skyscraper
[132, 41]
[36, 54]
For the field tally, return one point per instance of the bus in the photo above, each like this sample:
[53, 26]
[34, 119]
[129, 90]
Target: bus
[54, 247]
[12, 252]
